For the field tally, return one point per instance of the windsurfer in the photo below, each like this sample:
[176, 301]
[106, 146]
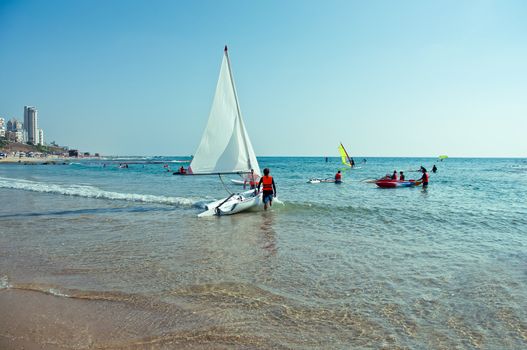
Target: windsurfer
[269, 188]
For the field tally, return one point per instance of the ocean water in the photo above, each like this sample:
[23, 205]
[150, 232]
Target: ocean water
[330, 266]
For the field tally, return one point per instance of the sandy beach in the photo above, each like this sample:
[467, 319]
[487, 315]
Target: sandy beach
[34, 319]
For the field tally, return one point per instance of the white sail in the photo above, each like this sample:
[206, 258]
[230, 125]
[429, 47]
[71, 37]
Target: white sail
[225, 146]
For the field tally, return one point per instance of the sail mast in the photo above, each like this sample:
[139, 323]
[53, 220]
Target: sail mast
[240, 120]
[225, 146]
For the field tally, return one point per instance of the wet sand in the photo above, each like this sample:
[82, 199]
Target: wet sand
[36, 320]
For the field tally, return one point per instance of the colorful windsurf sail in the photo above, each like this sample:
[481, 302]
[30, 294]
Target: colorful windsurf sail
[346, 160]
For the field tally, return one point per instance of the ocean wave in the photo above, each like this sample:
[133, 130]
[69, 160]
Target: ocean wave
[137, 300]
[87, 191]
[4, 283]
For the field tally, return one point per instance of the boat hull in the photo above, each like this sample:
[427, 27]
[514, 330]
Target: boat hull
[236, 203]
[317, 181]
[239, 182]
[396, 183]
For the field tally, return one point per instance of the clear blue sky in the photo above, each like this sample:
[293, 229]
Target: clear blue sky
[387, 78]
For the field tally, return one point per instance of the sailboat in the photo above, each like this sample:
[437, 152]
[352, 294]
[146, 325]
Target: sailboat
[225, 147]
[346, 159]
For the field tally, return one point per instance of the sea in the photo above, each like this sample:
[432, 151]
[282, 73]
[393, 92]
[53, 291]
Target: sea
[97, 256]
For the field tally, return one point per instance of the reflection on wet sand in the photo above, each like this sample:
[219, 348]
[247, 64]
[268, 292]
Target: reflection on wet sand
[268, 233]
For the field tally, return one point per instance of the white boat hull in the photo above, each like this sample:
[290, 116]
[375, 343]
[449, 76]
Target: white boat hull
[239, 182]
[234, 204]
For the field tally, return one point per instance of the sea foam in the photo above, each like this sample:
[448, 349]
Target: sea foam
[4, 283]
[94, 192]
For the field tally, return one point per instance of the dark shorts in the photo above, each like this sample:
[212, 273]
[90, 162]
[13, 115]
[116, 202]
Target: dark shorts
[267, 196]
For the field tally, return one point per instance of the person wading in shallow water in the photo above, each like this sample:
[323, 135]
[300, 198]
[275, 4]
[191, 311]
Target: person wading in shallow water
[425, 177]
[269, 188]
[338, 177]
[251, 179]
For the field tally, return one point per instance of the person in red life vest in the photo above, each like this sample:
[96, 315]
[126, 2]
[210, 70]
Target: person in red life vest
[182, 170]
[401, 176]
[269, 188]
[252, 178]
[425, 177]
[338, 177]
[394, 175]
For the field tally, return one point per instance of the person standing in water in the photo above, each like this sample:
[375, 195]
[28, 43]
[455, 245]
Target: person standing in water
[251, 178]
[269, 188]
[434, 168]
[425, 177]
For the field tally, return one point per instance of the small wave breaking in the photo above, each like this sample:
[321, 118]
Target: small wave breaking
[87, 191]
[4, 283]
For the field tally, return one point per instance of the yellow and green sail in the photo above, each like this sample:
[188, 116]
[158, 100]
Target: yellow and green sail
[346, 160]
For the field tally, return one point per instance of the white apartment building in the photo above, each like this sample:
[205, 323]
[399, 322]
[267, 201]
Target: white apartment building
[2, 127]
[40, 137]
[15, 136]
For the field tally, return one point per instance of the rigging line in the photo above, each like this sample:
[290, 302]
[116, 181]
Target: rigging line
[225, 186]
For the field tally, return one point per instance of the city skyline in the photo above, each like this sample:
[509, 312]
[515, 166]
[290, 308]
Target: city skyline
[405, 79]
[26, 132]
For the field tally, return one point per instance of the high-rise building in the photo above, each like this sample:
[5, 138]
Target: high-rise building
[40, 137]
[15, 131]
[14, 125]
[31, 124]
[2, 127]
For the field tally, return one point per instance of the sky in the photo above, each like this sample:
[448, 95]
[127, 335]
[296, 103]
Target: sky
[385, 78]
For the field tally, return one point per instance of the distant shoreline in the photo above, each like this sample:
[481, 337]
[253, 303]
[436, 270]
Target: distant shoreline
[31, 160]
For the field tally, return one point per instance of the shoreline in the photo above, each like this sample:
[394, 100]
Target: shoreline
[31, 160]
[38, 320]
